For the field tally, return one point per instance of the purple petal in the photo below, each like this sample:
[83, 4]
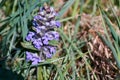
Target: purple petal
[52, 9]
[37, 43]
[38, 17]
[42, 13]
[29, 36]
[52, 49]
[37, 29]
[55, 35]
[58, 24]
[48, 55]
[46, 42]
[34, 62]
[28, 56]
[47, 23]
[41, 9]
[53, 23]
[35, 24]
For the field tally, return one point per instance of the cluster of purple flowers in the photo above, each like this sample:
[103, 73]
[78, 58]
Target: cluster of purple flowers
[43, 32]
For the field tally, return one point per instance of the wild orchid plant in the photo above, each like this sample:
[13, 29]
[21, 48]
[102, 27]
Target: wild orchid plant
[42, 33]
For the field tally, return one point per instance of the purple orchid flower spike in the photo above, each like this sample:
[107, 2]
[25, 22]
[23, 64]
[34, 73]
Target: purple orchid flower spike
[43, 32]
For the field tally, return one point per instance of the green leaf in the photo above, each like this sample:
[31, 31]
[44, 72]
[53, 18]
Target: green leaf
[39, 73]
[112, 30]
[53, 42]
[65, 8]
[28, 45]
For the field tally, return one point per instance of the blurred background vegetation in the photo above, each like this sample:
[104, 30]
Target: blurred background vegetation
[89, 48]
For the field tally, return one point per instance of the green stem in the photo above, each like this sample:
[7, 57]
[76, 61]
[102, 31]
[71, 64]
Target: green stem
[39, 73]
